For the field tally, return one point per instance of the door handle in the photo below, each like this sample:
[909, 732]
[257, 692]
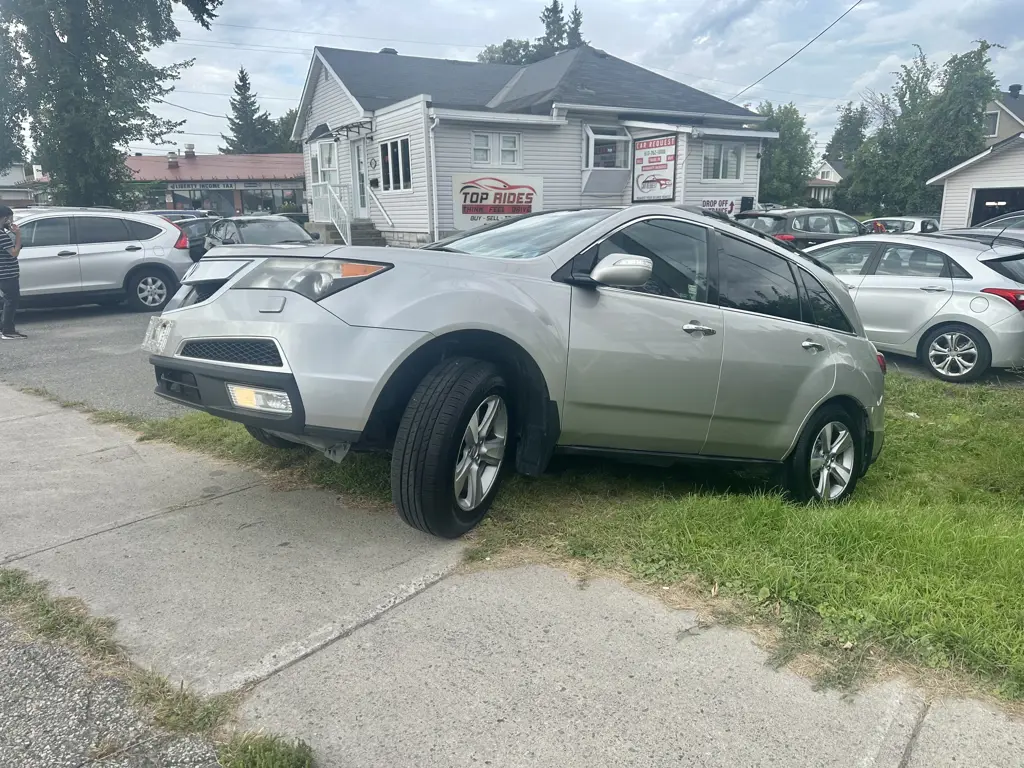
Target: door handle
[813, 346]
[932, 289]
[65, 253]
[134, 248]
[694, 327]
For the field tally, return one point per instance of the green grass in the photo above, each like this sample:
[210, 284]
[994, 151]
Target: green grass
[926, 563]
[257, 750]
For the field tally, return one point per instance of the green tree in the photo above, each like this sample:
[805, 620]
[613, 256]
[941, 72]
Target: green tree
[283, 133]
[574, 32]
[932, 120]
[850, 132]
[88, 85]
[786, 161]
[12, 106]
[557, 37]
[252, 130]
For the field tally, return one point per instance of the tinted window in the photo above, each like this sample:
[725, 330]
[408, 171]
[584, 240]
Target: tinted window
[269, 232]
[1012, 267]
[907, 261]
[846, 259]
[756, 280]
[846, 225]
[677, 248]
[823, 308]
[526, 236]
[93, 229]
[49, 232]
[931, 225]
[1013, 223]
[814, 222]
[141, 231]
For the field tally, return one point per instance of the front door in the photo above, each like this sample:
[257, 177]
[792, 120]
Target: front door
[906, 288]
[776, 366]
[644, 363]
[49, 258]
[359, 179]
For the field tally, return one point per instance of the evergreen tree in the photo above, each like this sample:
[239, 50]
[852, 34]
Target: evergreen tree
[557, 37]
[574, 33]
[850, 132]
[86, 85]
[283, 133]
[252, 130]
[553, 19]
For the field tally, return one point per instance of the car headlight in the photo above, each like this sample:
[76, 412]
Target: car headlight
[315, 279]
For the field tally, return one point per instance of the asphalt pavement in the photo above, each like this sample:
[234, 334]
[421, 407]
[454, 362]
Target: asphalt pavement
[90, 355]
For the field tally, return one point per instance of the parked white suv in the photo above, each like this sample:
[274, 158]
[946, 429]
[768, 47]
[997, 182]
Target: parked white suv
[91, 256]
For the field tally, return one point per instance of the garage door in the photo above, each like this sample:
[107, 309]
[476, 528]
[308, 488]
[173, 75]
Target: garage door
[989, 203]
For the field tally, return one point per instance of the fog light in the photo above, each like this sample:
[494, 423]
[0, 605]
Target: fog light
[255, 399]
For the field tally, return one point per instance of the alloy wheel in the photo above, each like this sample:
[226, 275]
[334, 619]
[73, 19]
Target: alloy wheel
[481, 453]
[152, 291]
[953, 354]
[833, 456]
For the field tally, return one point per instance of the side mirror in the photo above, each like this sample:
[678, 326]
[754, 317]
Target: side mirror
[315, 235]
[620, 270]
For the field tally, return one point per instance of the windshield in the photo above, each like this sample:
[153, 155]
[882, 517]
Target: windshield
[524, 237]
[766, 224]
[270, 232]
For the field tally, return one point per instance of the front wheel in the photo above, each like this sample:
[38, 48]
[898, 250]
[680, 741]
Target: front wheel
[149, 290]
[451, 447]
[956, 353]
[826, 463]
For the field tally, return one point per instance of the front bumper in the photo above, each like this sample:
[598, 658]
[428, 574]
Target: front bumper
[203, 386]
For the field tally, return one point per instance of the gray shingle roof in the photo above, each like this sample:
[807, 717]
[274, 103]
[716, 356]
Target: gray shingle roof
[583, 76]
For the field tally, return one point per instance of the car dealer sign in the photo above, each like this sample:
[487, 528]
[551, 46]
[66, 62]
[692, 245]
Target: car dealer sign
[654, 169]
[481, 199]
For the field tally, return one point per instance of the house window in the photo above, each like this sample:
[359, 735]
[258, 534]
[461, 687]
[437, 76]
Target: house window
[607, 147]
[395, 165]
[826, 175]
[326, 170]
[497, 149]
[722, 160]
[991, 124]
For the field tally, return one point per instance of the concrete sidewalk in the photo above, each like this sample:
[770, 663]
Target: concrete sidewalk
[364, 638]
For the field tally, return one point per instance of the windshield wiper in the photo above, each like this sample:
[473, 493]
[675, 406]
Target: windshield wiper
[283, 242]
[443, 248]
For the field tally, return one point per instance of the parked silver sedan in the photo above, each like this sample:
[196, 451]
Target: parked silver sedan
[953, 299]
[647, 332]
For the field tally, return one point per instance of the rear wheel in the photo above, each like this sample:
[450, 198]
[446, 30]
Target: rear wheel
[149, 290]
[826, 463]
[273, 441]
[451, 447]
[956, 353]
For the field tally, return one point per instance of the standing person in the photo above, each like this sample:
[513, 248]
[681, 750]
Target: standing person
[10, 273]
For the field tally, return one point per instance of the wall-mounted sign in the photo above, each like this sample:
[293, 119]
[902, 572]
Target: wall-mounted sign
[723, 205]
[480, 200]
[192, 185]
[654, 169]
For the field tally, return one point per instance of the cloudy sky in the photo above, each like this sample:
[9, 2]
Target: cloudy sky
[719, 47]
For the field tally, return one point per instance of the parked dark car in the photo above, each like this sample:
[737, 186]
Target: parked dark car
[1013, 220]
[258, 230]
[803, 226]
[196, 230]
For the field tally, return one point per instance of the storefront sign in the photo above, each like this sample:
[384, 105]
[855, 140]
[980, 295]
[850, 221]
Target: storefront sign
[719, 206]
[654, 169]
[480, 200]
[193, 185]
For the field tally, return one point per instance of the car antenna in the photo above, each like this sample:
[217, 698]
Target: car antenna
[993, 243]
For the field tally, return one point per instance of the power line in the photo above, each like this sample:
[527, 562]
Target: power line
[227, 45]
[798, 52]
[349, 37]
[231, 95]
[189, 109]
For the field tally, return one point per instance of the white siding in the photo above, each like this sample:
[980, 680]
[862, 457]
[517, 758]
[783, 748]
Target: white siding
[332, 106]
[697, 189]
[409, 208]
[1005, 169]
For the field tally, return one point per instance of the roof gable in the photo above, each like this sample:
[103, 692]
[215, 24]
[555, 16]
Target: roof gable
[583, 76]
[1012, 104]
[995, 149]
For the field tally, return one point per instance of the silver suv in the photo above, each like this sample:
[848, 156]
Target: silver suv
[647, 332]
[83, 256]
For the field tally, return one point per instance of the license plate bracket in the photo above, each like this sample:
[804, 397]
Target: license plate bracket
[157, 335]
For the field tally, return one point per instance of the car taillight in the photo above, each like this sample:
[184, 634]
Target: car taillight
[785, 238]
[182, 243]
[1013, 295]
[881, 363]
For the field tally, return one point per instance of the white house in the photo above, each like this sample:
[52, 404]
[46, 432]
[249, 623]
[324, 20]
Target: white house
[822, 185]
[1004, 116]
[424, 147]
[988, 185]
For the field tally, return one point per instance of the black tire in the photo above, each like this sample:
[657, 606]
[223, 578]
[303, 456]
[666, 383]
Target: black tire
[273, 441]
[429, 443]
[983, 361]
[149, 276]
[799, 477]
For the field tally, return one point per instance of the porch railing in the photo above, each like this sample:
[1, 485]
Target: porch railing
[380, 207]
[331, 204]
